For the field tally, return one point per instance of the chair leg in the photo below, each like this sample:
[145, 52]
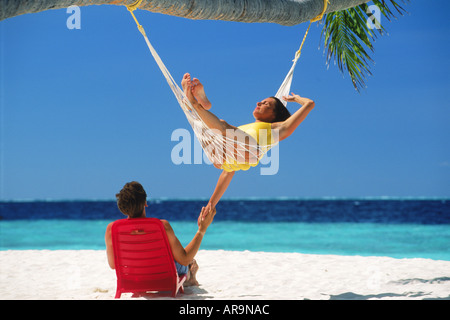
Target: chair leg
[181, 282]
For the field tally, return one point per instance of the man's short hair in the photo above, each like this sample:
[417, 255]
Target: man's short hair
[131, 199]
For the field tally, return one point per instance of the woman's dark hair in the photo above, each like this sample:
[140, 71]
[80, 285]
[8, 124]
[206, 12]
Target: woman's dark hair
[131, 199]
[281, 112]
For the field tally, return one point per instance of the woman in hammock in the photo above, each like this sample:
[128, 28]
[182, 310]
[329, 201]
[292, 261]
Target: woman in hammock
[270, 114]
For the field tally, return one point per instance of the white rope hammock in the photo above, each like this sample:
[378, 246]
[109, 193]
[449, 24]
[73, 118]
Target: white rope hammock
[225, 152]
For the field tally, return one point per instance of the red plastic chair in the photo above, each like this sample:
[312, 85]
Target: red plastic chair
[143, 258]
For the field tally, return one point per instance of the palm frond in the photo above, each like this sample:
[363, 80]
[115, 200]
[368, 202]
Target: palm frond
[348, 38]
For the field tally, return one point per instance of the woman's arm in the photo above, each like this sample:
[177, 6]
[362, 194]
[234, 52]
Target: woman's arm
[221, 186]
[287, 127]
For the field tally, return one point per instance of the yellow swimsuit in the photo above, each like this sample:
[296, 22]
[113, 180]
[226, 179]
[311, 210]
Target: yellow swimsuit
[259, 131]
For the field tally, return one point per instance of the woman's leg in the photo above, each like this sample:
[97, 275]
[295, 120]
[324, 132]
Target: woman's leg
[246, 153]
[208, 117]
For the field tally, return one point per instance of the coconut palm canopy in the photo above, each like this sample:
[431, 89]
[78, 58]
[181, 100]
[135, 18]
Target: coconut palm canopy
[348, 37]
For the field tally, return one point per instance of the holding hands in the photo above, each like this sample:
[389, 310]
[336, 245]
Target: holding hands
[205, 218]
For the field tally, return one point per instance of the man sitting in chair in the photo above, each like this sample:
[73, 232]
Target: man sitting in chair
[132, 200]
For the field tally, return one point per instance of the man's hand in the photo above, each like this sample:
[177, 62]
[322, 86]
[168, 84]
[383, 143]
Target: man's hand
[209, 208]
[203, 223]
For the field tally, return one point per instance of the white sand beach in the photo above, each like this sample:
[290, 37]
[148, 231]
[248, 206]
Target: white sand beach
[85, 275]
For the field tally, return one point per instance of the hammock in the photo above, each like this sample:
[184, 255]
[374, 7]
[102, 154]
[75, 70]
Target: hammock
[225, 152]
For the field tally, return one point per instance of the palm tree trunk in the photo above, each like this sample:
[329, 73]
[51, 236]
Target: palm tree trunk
[287, 12]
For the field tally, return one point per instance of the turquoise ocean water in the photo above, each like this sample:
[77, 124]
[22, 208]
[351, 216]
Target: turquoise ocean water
[399, 229]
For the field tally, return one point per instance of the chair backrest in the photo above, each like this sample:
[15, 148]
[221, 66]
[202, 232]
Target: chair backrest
[142, 256]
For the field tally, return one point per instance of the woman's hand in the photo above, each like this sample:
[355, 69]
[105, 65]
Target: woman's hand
[296, 98]
[291, 98]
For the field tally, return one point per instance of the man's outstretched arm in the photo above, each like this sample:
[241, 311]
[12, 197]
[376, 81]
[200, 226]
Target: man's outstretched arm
[182, 255]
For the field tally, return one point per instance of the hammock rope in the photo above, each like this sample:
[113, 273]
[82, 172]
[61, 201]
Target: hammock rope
[222, 150]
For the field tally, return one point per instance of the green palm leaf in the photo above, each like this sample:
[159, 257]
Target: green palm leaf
[348, 39]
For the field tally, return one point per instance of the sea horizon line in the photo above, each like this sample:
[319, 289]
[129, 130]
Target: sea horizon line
[279, 198]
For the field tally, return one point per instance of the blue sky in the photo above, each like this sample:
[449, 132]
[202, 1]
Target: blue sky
[84, 111]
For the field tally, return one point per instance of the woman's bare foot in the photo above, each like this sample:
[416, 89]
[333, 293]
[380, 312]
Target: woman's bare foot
[199, 93]
[186, 84]
[191, 279]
